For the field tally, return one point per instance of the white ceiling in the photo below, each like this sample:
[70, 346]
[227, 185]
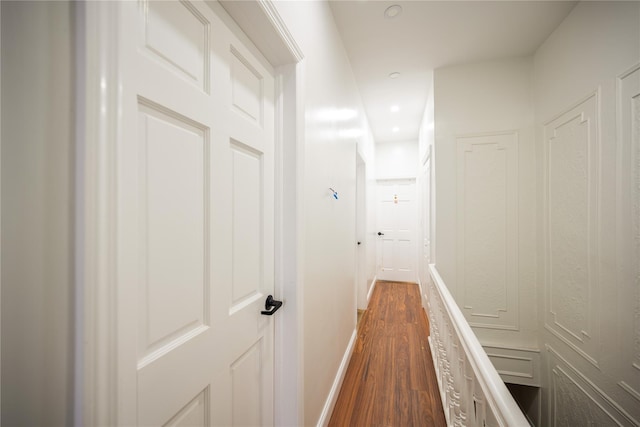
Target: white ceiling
[429, 35]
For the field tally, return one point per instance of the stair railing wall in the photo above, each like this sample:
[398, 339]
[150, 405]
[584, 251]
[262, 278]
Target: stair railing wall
[472, 392]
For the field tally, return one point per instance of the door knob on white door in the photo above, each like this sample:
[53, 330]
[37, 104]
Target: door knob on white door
[271, 303]
[380, 233]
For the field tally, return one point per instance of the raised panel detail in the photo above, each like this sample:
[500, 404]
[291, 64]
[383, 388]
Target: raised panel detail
[576, 401]
[194, 413]
[571, 223]
[634, 354]
[629, 230]
[403, 214]
[404, 255]
[573, 406]
[177, 35]
[173, 176]
[387, 254]
[487, 229]
[246, 88]
[387, 220]
[516, 366]
[247, 386]
[247, 212]
[636, 204]
[636, 226]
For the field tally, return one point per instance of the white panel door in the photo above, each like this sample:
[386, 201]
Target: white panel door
[396, 230]
[195, 220]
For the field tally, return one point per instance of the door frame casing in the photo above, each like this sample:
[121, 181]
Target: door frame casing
[98, 371]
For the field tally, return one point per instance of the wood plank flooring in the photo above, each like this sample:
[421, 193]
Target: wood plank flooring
[390, 380]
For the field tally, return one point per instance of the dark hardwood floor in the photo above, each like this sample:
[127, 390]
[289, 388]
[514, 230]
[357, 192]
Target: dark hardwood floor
[390, 380]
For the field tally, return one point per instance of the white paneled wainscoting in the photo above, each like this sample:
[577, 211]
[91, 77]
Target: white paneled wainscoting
[472, 392]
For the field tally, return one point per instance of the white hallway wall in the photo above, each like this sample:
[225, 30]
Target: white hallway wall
[396, 160]
[576, 236]
[587, 296]
[485, 197]
[333, 116]
[37, 212]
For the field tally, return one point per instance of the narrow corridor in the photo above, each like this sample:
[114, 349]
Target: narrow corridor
[390, 380]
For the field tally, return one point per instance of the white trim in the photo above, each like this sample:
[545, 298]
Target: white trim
[279, 279]
[79, 182]
[288, 324]
[423, 295]
[373, 285]
[281, 29]
[455, 327]
[261, 22]
[524, 368]
[95, 254]
[397, 179]
[300, 229]
[330, 403]
[426, 157]
[625, 178]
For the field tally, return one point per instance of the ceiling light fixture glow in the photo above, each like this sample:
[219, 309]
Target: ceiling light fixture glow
[393, 11]
[394, 75]
[395, 108]
[395, 129]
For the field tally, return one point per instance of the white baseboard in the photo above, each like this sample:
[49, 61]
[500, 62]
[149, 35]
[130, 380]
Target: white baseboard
[373, 285]
[330, 403]
[423, 297]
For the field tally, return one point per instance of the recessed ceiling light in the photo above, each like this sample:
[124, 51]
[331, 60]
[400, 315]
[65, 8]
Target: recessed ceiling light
[393, 11]
[394, 75]
[395, 129]
[395, 108]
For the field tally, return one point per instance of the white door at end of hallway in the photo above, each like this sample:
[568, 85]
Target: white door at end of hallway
[195, 235]
[397, 218]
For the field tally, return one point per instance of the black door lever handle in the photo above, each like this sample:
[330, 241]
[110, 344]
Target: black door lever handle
[271, 303]
[380, 233]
